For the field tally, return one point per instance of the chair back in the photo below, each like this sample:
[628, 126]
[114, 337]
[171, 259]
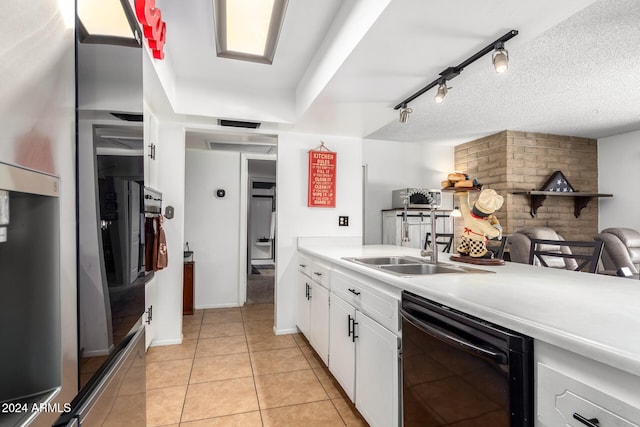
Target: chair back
[621, 249]
[444, 240]
[497, 246]
[542, 250]
[519, 246]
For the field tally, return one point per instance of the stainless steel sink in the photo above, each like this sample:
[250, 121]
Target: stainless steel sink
[388, 260]
[411, 266]
[413, 269]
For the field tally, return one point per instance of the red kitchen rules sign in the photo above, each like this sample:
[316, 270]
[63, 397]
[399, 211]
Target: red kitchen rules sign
[322, 179]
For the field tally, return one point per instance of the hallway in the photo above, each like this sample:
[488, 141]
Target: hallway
[232, 371]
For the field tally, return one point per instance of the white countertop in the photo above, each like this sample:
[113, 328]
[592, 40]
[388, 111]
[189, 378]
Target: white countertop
[593, 315]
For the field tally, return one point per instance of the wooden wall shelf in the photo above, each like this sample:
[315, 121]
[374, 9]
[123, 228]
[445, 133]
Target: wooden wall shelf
[580, 200]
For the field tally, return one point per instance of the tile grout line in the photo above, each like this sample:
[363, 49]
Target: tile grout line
[184, 402]
[253, 374]
[301, 345]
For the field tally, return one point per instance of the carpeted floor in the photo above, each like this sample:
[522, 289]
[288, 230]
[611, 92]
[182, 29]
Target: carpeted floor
[260, 285]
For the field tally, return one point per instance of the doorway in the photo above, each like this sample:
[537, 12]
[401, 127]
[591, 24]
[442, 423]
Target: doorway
[259, 260]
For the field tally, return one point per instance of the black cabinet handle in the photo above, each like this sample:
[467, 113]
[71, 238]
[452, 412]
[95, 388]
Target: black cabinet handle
[317, 274]
[349, 329]
[591, 422]
[353, 291]
[308, 291]
[354, 323]
[149, 315]
[303, 265]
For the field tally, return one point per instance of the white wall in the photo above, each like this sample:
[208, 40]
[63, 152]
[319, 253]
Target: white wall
[212, 225]
[170, 163]
[296, 219]
[618, 160]
[392, 165]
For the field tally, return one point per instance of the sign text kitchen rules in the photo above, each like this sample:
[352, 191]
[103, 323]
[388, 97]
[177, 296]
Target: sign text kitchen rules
[322, 178]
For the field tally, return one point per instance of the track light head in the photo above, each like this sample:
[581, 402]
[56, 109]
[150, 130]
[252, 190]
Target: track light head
[404, 113]
[500, 58]
[442, 92]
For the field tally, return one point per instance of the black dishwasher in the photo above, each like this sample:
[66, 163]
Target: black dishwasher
[458, 370]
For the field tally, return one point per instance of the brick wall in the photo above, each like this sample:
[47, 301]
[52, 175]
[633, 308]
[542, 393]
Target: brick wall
[510, 160]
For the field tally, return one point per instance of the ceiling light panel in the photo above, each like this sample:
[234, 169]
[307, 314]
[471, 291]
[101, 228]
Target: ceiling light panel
[248, 25]
[248, 30]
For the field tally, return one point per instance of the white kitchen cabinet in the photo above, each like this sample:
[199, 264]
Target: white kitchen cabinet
[147, 317]
[312, 310]
[419, 224]
[302, 303]
[377, 378]
[342, 349]
[570, 387]
[363, 354]
[319, 321]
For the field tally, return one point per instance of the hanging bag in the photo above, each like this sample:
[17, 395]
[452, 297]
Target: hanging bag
[161, 257]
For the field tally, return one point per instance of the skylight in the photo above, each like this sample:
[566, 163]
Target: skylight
[248, 30]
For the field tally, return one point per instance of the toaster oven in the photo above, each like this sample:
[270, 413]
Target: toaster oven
[417, 198]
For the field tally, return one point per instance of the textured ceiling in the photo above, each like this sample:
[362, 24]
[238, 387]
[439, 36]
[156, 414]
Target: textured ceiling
[574, 69]
[579, 78]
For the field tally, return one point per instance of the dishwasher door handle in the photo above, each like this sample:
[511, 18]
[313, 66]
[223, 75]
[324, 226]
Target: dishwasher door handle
[453, 339]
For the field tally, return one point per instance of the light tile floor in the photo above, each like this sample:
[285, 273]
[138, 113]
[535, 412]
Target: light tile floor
[231, 370]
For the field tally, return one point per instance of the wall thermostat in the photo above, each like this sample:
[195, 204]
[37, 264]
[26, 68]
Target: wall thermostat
[220, 193]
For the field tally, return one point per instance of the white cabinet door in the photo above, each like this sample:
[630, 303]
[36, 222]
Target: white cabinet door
[377, 391]
[302, 303]
[342, 349]
[147, 318]
[319, 321]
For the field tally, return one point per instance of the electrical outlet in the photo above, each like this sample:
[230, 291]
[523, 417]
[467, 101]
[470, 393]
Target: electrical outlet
[343, 221]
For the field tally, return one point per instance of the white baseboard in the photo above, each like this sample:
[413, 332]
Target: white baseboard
[227, 305]
[160, 343]
[285, 331]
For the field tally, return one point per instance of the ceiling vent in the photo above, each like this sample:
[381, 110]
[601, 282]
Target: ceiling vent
[128, 117]
[242, 147]
[239, 124]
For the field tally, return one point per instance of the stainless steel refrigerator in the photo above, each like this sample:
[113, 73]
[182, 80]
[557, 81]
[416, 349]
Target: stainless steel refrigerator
[42, 373]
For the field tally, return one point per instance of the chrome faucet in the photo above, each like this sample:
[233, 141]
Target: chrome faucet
[405, 220]
[432, 252]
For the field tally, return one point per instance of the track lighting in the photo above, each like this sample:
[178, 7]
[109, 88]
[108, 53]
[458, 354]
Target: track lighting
[500, 59]
[442, 92]
[404, 113]
[455, 213]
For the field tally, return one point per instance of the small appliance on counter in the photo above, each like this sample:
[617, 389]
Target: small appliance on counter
[418, 198]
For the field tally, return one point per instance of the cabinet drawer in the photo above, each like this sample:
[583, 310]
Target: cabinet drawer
[321, 273]
[381, 307]
[560, 397]
[304, 264]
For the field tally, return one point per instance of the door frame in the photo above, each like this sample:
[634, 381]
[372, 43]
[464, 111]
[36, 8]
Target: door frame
[244, 215]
